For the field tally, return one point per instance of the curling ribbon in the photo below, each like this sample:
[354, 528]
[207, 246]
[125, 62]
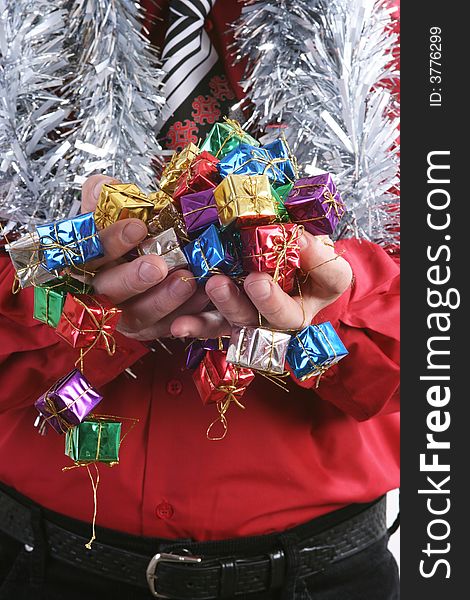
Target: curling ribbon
[95, 483]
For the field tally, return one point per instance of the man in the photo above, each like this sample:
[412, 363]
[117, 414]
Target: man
[288, 505]
[287, 459]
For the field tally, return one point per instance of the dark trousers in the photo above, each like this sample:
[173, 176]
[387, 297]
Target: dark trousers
[32, 574]
[369, 575]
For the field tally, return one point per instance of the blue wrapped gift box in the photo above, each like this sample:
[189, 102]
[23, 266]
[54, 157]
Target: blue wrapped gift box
[312, 351]
[273, 160]
[209, 254]
[69, 242]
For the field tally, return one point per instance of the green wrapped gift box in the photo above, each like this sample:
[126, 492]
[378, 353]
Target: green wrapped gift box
[49, 299]
[94, 441]
[225, 137]
[283, 190]
[281, 210]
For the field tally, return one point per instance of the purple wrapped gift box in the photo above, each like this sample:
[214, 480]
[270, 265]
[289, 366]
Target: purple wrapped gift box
[199, 210]
[315, 203]
[68, 401]
[197, 350]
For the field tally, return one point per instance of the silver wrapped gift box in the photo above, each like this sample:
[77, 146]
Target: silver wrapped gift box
[27, 260]
[258, 348]
[166, 245]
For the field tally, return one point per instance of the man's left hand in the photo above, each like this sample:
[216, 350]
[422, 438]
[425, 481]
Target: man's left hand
[326, 277]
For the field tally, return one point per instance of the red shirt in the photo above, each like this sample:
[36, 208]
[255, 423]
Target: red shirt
[287, 458]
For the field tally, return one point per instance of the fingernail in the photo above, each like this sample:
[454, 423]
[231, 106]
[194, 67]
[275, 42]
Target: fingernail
[221, 293]
[181, 334]
[149, 273]
[179, 287]
[259, 290]
[303, 242]
[133, 232]
[97, 190]
[98, 186]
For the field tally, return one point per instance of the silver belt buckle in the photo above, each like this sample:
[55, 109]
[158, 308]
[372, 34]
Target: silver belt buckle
[151, 572]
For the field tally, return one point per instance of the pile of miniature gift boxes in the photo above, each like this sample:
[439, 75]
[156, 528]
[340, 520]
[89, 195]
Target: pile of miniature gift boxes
[230, 206]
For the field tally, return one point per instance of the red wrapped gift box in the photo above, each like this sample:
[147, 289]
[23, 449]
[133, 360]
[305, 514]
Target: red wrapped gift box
[202, 174]
[215, 379]
[89, 321]
[273, 249]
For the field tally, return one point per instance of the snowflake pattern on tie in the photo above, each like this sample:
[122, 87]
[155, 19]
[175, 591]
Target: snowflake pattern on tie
[180, 135]
[207, 109]
[220, 88]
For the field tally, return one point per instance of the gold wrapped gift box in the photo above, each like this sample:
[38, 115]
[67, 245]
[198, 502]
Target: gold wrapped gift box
[121, 201]
[246, 199]
[178, 164]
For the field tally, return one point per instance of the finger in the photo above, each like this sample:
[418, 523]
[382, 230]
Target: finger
[203, 325]
[277, 307]
[230, 301]
[162, 329]
[130, 279]
[155, 304]
[91, 190]
[314, 250]
[331, 273]
[118, 239]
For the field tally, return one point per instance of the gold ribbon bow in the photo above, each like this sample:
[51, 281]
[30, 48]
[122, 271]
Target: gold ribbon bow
[269, 163]
[328, 198]
[281, 247]
[99, 329]
[67, 252]
[230, 390]
[251, 187]
[332, 204]
[236, 130]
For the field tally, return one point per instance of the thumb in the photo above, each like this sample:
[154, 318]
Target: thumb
[91, 190]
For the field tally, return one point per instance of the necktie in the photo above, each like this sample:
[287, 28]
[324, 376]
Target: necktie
[196, 90]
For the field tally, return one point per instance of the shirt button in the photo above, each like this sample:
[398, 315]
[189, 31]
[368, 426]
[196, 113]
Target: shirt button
[164, 510]
[174, 387]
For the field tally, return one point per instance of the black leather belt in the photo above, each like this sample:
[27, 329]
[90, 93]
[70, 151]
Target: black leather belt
[203, 570]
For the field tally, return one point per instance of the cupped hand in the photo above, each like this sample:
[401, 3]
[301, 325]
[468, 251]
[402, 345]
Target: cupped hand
[149, 297]
[326, 276]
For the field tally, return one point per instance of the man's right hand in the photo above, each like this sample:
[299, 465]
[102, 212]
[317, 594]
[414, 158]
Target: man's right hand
[150, 299]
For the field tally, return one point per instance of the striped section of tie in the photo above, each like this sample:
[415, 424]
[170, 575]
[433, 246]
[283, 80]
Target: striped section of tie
[188, 54]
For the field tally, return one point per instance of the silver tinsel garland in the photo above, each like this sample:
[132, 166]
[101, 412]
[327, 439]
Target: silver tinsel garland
[116, 91]
[33, 65]
[91, 59]
[330, 59]
[272, 34]
[80, 93]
